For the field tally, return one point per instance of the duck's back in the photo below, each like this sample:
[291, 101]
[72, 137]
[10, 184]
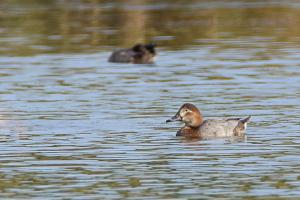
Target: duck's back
[122, 56]
[222, 127]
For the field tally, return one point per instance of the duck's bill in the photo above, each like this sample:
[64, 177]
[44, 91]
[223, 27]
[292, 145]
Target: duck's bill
[175, 118]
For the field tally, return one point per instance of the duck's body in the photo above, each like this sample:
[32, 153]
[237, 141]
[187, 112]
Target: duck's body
[138, 54]
[212, 128]
[196, 127]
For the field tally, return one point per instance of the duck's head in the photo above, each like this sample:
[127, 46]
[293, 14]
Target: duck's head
[141, 48]
[151, 48]
[144, 54]
[189, 114]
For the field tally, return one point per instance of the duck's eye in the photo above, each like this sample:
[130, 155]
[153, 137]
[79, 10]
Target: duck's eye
[186, 110]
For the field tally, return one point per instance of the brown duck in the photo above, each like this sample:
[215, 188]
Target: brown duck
[196, 127]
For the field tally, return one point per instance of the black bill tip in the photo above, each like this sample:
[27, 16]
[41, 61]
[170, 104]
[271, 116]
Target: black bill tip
[169, 120]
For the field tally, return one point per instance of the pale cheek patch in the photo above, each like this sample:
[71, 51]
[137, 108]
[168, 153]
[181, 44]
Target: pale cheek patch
[181, 113]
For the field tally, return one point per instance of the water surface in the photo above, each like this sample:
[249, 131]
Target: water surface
[74, 126]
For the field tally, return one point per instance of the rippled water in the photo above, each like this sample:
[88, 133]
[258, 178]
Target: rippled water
[74, 126]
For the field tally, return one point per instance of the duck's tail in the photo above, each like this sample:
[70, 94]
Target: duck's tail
[246, 120]
[241, 126]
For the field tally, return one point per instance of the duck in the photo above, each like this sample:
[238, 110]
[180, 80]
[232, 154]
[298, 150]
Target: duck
[138, 54]
[196, 127]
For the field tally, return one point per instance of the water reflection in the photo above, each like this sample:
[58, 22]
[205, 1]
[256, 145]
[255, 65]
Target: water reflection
[62, 26]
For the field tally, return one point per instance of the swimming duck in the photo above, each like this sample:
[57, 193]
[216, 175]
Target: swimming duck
[138, 54]
[196, 127]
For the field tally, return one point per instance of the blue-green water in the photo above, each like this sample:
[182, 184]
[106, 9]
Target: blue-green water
[74, 126]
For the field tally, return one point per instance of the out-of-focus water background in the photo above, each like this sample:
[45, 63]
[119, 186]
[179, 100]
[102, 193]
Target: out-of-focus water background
[73, 126]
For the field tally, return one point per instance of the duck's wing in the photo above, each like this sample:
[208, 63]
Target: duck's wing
[234, 119]
[245, 120]
[122, 56]
[215, 128]
[224, 127]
